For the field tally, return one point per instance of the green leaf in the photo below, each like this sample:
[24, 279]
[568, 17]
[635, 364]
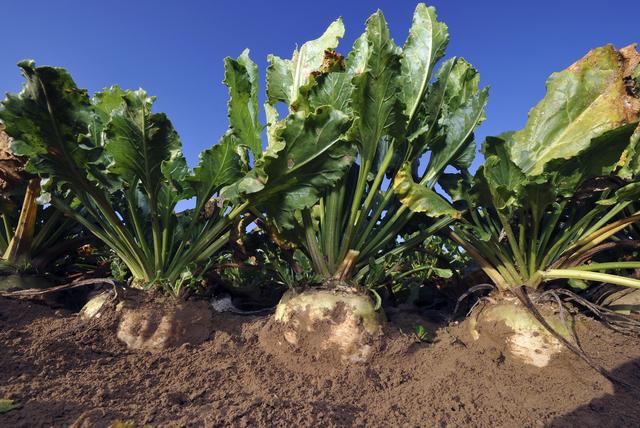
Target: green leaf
[424, 47]
[442, 273]
[333, 90]
[419, 198]
[139, 141]
[241, 77]
[7, 405]
[48, 121]
[375, 97]
[312, 156]
[459, 127]
[598, 159]
[503, 177]
[582, 103]
[285, 77]
[219, 166]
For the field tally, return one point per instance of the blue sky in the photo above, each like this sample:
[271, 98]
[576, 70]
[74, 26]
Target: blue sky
[175, 49]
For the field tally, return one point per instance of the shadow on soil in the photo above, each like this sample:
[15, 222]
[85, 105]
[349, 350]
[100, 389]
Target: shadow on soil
[612, 410]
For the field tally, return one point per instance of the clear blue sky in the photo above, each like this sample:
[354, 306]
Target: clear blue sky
[175, 49]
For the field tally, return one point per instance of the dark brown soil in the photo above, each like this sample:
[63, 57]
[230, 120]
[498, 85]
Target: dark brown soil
[64, 371]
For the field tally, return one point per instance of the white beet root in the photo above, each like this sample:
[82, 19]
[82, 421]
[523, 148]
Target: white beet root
[95, 305]
[330, 321]
[157, 327]
[526, 339]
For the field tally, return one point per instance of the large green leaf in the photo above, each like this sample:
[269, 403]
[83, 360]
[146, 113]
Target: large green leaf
[419, 198]
[219, 166]
[312, 156]
[503, 177]
[598, 159]
[139, 142]
[458, 126]
[333, 90]
[241, 77]
[582, 102]
[375, 99]
[48, 121]
[424, 47]
[285, 77]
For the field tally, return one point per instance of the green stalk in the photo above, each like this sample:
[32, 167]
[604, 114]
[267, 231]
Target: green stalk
[44, 233]
[135, 220]
[533, 246]
[412, 271]
[373, 190]
[522, 234]
[204, 240]
[331, 224]
[109, 237]
[486, 267]
[604, 233]
[608, 266]
[7, 228]
[355, 206]
[398, 249]
[388, 196]
[513, 243]
[590, 276]
[566, 236]
[156, 234]
[611, 213]
[312, 245]
[549, 228]
[214, 247]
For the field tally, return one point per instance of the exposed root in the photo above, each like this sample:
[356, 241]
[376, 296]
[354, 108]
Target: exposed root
[469, 292]
[611, 319]
[523, 296]
[30, 293]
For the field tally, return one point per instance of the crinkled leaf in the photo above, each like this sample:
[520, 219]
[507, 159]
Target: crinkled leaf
[503, 177]
[48, 121]
[424, 47]
[598, 159]
[219, 166]
[582, 103]
[241, 77]
[456, 185]
[459, 126]
[279, 80]
[375, 97]
[419, 198]
[312, 157]
[333, 90]
[285, 77]
[139, 142]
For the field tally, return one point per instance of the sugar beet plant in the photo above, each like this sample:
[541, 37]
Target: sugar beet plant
[535, 211]
[32, 236]
[123, 164]
[408, 127]
[405, 124]
[541, 205]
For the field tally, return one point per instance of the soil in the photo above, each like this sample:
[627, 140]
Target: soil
[64, 371]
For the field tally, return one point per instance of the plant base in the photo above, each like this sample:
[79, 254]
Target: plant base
[96, 305]
[329, 322]
[154, 327]
[508, 323]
